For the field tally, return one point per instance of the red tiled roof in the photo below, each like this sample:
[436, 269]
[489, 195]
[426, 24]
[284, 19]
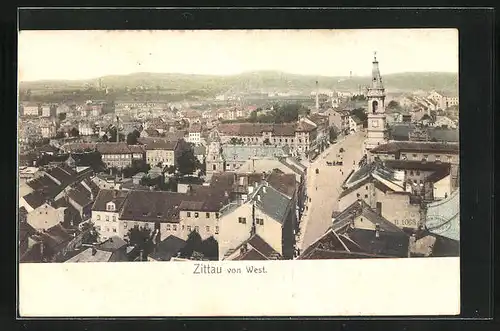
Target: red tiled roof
[162, 145]
[113, 148]
[417, 146]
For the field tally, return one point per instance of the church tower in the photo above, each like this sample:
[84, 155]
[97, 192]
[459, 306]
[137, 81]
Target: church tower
[214, 160]
[377, 132]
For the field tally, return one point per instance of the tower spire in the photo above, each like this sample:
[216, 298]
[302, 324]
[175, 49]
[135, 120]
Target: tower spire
[376, 77]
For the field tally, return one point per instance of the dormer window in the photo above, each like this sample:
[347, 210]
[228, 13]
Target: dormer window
[110, 206]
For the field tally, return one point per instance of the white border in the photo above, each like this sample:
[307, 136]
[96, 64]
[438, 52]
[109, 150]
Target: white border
[366, 287]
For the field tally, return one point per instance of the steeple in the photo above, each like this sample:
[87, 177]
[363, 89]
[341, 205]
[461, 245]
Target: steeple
[376, 77]
[376, 131]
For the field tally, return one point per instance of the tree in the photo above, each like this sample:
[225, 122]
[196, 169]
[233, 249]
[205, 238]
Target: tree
[393, 105]
[186, 163]
[90, 234]
[60, 135]
[170, 170]
[61, 116]
[74, 132]
[210, 248]
[332, 134]
[193, 243]
[140, 237]
[132, 138]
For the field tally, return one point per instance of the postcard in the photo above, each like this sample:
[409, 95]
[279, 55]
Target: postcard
[238, 173]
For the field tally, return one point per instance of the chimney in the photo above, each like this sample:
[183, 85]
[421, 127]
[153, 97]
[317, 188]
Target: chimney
[243, 249]
[115, 193]
[379, 208]
[377, 230]
[94, 251]
[264, 189]
[258, 197]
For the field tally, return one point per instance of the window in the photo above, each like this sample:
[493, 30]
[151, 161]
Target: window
[183, 227]
[366, 187]
[114, 218]
[414, 155]
[189, 227]
[403, 156]
[300, 141]
[426, 156]
[124, 225]
[418, 172]
[366, 196]
[217, 230]
[216, 215]
[114, 229]
[286, 140]
[214, 167]
[107, 218]
[175, 227]
[98, 217]
[168, 227]
[98, 228]
[207, 215]
[196, 215]
[438, 157]
[357, 195]
[107, 229]
[411, 173]
[242, 220]
[207, 228]
[259, 221]
[197, 228]
[188, 214]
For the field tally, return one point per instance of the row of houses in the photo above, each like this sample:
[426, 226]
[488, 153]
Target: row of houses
[232, 209]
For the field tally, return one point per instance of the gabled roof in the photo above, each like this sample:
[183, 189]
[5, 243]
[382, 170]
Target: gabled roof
[112, 244]
[256, 249]
[390, 244]
[35, 199]
[361, 208]
[105, 196]
[162, 145]
[416, 146]
[88, 256]
[168, 248]
[271, 202]
[284, 183]
[113, 148]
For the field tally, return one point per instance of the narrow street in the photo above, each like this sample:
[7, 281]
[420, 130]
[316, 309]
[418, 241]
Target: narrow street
[324, 188]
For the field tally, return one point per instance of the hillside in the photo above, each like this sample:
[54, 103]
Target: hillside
[178, 83]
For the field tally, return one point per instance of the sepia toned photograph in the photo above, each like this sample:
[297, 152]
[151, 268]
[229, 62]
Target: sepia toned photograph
[238, 145]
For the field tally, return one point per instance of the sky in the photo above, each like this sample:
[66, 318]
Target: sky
[48, 55]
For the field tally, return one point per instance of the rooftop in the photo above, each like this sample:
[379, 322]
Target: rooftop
[410, 146]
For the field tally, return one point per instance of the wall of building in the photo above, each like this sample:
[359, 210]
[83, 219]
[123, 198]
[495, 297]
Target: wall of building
[107, 224]
[117, 160]
[45, 217]
[361, 222]
[232, 233]
[167, 157]
[442, 188]
[396, 208]
[206, 223]
[271, 231]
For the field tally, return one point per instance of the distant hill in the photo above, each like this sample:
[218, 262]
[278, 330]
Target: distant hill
[178, 83]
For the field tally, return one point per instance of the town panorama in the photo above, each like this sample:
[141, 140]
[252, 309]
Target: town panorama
[144, 173]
